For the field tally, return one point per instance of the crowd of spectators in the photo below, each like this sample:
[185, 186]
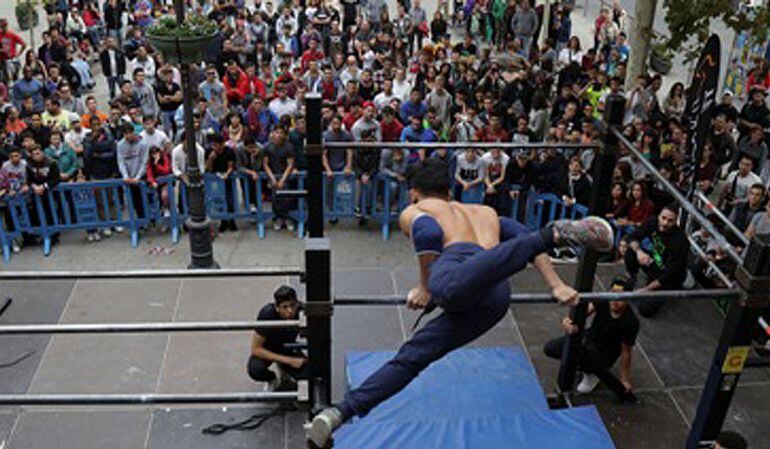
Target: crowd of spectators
[476, 71]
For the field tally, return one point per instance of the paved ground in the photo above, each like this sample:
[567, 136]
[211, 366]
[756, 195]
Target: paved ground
[671, 360]
[670, 363]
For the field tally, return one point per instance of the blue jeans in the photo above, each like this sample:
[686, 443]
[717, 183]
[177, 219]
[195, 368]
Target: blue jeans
[167, 121]
[471, 285]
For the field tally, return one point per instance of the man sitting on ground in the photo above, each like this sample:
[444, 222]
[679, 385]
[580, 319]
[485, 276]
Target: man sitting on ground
[269, 346]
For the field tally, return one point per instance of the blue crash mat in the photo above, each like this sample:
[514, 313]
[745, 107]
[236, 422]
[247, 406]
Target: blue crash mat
[468, 382]
[576, 428]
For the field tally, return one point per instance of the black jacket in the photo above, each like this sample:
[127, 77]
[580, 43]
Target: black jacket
[669, 251]
[104, 60]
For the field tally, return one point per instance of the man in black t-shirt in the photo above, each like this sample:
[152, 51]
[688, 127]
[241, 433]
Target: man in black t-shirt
[268, 346]
[610, 337]
[664, 260]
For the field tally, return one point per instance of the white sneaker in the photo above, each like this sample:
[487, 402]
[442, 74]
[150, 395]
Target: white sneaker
[290, 225]
[320, 429]
[97, 237]
[253, 209]
[15, 247]
[119, 229]
[277, 224]
[106, 232]
[588, 383]
[90, 237]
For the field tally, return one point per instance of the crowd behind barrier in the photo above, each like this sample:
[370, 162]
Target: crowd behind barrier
[100, 205]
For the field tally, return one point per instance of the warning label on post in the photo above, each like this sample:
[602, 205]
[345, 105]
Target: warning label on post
[736, 358]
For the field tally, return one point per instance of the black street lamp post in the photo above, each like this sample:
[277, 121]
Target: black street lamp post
[198, 224]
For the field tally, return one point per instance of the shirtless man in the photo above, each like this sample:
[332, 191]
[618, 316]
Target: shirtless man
[466, 254]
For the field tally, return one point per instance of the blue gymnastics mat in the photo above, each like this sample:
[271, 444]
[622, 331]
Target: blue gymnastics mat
[472, 398]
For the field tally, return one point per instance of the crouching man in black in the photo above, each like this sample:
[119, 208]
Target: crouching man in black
[663, 261]
[612, 335]
[269, 346]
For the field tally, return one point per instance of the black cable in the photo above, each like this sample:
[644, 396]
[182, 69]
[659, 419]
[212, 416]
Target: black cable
[5, 305]
[250, 423]
[25, 356]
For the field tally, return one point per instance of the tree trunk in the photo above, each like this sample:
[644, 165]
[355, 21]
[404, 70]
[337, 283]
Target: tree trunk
[641, 35]
[546, 23]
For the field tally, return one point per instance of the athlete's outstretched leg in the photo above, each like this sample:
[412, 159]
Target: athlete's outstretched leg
[452, 285]
[439, 336]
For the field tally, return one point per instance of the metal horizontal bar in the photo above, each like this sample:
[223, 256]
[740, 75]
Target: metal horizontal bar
[291, 193]
[461, 145]
[545, 298]
[686, 205]
[134, 328]
[715, 210]
[702, 254]
[143, 399]
[150, 274]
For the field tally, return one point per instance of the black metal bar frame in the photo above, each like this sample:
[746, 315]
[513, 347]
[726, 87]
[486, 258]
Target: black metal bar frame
[715, 210]
[317, 263]
[149, 327]
[145, 399]
[545, 298]
[150, 274]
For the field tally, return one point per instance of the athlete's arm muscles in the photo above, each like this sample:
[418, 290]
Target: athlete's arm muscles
[561, 292]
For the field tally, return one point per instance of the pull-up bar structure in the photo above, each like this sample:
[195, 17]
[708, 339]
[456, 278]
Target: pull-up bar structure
[544, 298]
[148, 327]
[149, 274]
[147, 399]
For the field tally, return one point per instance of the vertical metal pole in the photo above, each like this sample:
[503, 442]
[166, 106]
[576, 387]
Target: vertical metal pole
[315, 222]
[198, 224]
[753, 277]
[603, 166]
[317, 264]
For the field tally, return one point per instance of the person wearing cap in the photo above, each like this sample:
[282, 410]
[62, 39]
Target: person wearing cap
[272, 348]
[367, 123]
[611, 336]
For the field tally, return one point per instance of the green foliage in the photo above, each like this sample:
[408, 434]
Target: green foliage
[26, 15]
[689, 19]
[194, 26]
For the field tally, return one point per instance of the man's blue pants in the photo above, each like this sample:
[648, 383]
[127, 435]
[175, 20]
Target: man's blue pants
[471, 285]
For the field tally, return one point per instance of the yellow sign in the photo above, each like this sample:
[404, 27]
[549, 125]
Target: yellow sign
[736, 357]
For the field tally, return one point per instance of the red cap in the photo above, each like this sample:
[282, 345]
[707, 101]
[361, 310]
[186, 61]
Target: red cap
[368, 104]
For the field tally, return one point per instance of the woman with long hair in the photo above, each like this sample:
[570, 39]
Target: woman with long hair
[673, 105]
[618, 201]
[38, 68]
[640, 207]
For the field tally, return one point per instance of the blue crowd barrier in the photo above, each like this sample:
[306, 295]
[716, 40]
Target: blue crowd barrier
[548, 207]
[107, 204]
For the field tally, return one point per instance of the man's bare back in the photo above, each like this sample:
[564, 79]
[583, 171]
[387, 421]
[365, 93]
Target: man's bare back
[459, 222]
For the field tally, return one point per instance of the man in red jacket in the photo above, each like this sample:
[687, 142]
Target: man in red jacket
[236, 83]
[390, 126]
[313, 53]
